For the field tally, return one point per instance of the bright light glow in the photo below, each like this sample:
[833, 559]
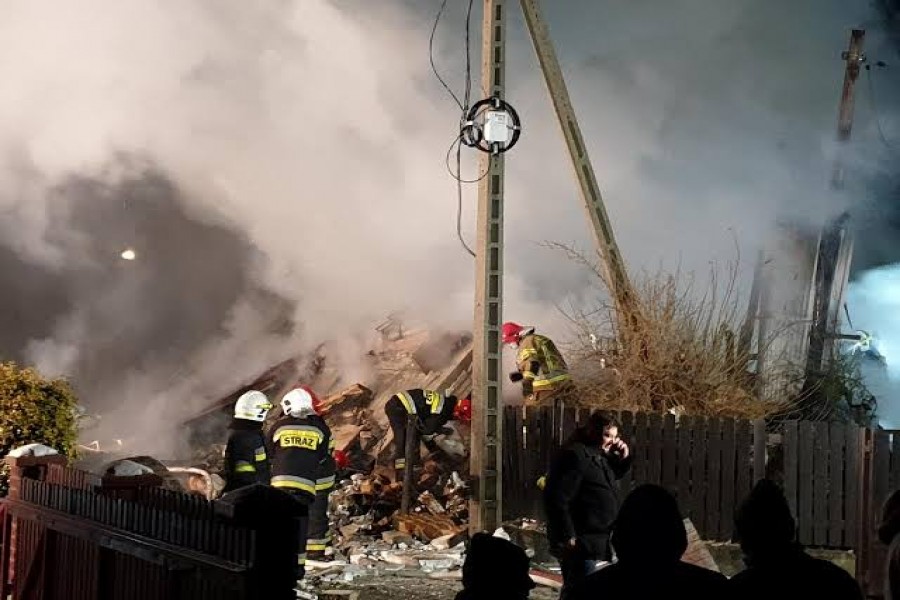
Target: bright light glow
[874, 305]
[128, 254]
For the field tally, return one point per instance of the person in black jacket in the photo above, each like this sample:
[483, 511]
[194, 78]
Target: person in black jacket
[301, 451]
[432, 409]
[581, 498]
[246, 460]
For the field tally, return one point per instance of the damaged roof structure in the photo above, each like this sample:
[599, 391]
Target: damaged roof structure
[401, 359]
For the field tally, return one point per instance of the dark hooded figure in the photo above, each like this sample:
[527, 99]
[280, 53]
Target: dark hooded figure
[889, 534]
[495, 568]
[649, 539]
[777, 566]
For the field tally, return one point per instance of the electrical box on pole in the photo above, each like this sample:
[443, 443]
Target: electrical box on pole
[487, 398]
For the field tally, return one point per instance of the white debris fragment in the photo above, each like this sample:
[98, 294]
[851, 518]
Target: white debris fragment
[32, 450]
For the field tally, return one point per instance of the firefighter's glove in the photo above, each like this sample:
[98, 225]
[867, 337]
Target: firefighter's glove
[527, 387]
[515, 377]
[428, 438]
[445, 430]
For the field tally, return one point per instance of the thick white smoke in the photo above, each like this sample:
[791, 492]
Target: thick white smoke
[314, 134]
[874, 304]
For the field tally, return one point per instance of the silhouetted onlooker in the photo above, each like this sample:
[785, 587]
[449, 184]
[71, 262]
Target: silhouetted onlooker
[495, 568]
[649, 539]
[581, 497]
[777, 566]
[889, 533]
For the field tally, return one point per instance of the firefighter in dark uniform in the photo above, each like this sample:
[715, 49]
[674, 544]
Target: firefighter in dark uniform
[432, 409]
[301, 448]
[246, 461]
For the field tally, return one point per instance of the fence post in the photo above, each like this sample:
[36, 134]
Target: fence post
[412, 444]
[759, 450]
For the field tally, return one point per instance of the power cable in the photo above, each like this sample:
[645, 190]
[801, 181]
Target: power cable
[458, 142]
[464, 109]
[457, 145]
[437, 20]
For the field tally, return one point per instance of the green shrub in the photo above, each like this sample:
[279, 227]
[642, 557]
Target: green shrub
[34, 409]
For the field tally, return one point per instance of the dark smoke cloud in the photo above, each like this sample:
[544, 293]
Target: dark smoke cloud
[99, 317]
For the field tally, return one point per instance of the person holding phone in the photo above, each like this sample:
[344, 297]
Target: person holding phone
[581, 498]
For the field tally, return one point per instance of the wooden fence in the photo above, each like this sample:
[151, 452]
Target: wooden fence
[708, 464]
[69, 535]
[835, 476]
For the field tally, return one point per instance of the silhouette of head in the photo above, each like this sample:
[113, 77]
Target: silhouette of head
[494, 565]
[649, 528]
[763, 521]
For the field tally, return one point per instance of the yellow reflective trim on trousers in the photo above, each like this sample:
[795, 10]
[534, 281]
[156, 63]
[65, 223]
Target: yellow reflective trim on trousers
[407, 401]
[400, 463]
[315, 547]
[244, 467]
[301, 559]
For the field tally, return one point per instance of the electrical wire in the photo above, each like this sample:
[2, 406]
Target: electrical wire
[459, 200]
[437, 20]
[877, 115]
[467, 95]
[457, 145]
[464, 109]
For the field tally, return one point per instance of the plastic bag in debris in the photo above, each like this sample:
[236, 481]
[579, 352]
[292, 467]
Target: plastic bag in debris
[32, 450]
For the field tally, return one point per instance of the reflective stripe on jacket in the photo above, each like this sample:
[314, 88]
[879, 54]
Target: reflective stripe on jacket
[540, 361]
[301, 449]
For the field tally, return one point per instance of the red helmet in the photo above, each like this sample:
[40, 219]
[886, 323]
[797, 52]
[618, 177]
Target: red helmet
[511, 332]
[463, 410]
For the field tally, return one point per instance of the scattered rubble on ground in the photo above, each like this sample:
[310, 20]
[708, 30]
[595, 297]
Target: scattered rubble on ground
[421, 551]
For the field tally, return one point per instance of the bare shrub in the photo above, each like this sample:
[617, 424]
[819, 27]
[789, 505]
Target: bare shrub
[683, 352]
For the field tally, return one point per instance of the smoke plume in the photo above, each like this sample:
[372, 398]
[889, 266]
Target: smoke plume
[279, 170]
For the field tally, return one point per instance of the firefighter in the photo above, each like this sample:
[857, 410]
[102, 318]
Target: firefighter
[432, 409]
[540, 366]
[246, 461]
[301, 460]
[318, 542]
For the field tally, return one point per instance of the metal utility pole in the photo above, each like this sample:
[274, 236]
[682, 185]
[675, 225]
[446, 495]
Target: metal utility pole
[835, 246]
[485, 462]
[614, 266]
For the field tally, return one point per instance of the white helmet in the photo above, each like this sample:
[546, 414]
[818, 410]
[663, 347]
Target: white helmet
[252, 406]
[300, 402]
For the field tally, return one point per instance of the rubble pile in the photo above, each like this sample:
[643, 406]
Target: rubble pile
[366, 508]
